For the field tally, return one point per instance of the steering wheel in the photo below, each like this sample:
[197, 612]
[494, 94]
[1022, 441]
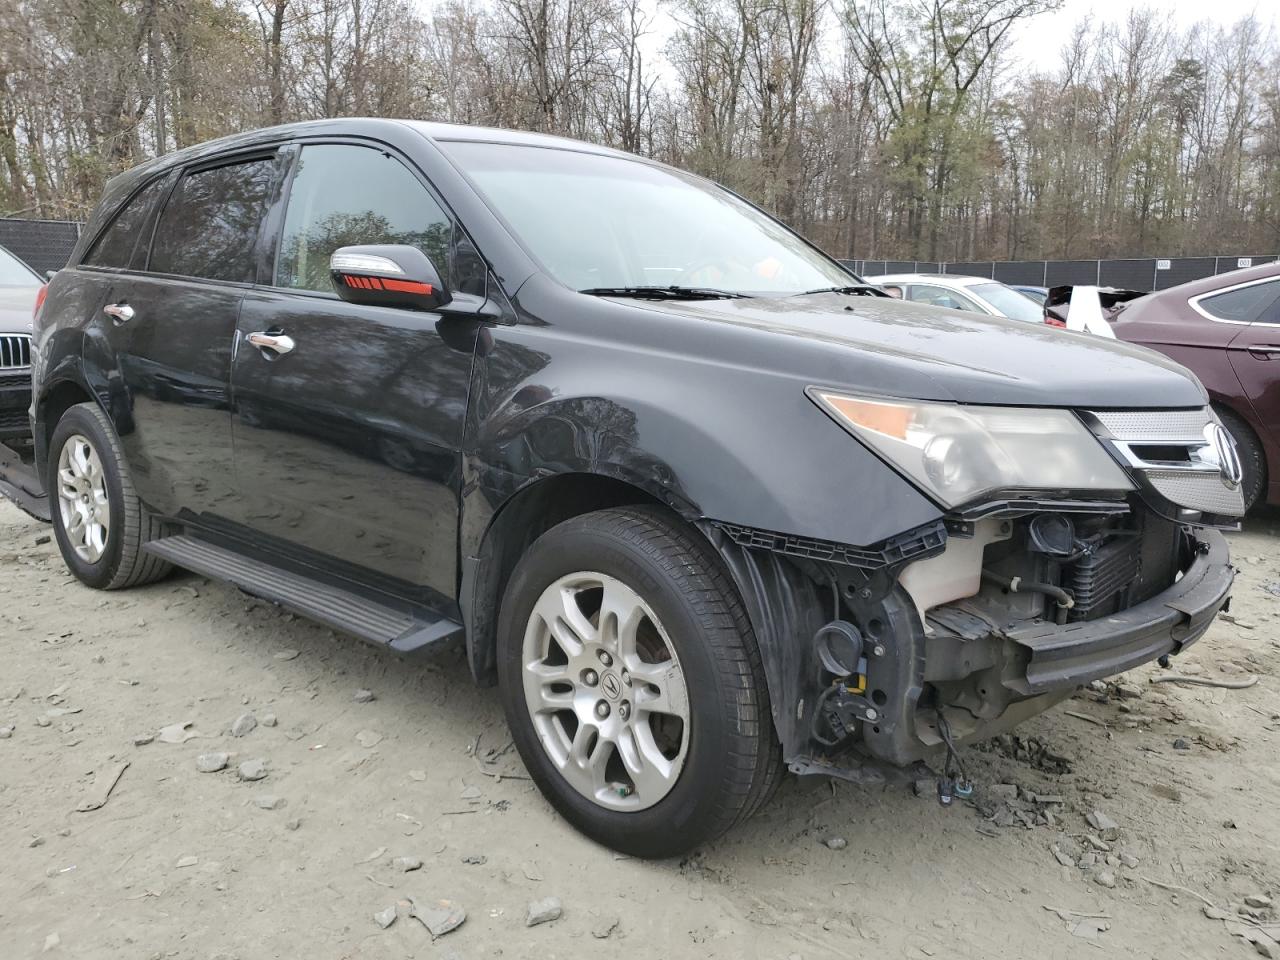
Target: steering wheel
[724, 266]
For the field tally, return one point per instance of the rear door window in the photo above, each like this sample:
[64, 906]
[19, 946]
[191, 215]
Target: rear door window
[123, 245]
[345, 195]
[1245, 305]
[210, 226]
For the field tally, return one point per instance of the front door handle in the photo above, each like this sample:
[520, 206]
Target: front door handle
[277, 343]
[119, 312]
[1264, 352]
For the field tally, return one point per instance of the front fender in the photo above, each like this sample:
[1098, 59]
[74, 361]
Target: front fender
[711, 439]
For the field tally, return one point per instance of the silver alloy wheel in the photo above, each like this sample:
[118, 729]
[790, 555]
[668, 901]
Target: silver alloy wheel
[605, 691]
[82, 498]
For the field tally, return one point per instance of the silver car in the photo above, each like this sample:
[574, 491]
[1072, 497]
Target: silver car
[19, 288]
[974, 294]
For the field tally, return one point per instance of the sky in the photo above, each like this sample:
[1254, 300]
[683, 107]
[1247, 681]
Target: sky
[1049, 30]
[1046, 31]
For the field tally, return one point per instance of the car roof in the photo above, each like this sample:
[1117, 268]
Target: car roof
[941, 279]
[1264, 271]
[367, 126]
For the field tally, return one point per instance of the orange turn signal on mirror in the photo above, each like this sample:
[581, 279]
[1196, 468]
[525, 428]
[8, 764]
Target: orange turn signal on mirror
[890, 419]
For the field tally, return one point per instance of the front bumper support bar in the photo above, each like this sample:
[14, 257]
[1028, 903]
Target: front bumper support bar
[1072, 654]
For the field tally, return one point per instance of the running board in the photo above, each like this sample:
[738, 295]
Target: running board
[342, 609]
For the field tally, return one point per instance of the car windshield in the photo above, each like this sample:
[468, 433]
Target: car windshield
[14, 273]
[1008, 302]
[603, 223]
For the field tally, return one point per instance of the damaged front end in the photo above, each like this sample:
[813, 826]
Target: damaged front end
[885, 658]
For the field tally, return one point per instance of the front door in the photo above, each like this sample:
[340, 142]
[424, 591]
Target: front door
[163, 332]
[1255, 354]
[347, 446]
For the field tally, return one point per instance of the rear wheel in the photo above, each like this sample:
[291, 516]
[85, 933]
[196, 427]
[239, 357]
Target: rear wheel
[1253, 460]
[98, 520]
[633, 685]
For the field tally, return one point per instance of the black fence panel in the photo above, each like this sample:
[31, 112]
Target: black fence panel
[1127, 274]
[41, 244]
[1058, 272]
[1027, 273]
[1176, 270]
[1145, 273]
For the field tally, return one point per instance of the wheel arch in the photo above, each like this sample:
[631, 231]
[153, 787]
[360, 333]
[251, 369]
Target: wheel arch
[54, 400]
[521, 519]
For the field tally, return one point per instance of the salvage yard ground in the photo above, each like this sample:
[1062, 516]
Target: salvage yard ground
[1140, 820]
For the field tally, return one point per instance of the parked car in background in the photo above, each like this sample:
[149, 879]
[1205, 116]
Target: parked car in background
[703, 510]
[1037, 294]
[972, 294]
[19, 288]
[1226, 330]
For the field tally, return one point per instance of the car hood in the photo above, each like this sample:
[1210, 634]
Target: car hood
[16, 304]
[929, 353]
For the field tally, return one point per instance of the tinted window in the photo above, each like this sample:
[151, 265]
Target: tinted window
[1244, 305]
[210, 225]
[346, 195]
[122, 244]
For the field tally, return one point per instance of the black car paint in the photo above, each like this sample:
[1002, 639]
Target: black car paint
[467, 414]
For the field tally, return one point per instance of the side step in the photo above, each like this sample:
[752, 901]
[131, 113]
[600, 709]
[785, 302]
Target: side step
[20, 483]
[378, 623]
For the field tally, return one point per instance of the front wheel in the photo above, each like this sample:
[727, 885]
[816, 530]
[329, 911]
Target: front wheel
[632, 683]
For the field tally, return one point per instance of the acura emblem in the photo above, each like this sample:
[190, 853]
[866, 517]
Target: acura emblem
[1222, 451]
[611, 686]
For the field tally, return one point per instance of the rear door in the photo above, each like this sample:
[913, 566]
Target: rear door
[162, 339]
[347, 446]
[1255, 350]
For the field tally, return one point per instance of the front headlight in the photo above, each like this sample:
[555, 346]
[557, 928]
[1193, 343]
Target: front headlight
[958, 453]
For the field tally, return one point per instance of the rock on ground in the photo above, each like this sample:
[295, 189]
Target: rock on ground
[543, 911]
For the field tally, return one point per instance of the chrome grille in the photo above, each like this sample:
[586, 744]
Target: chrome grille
[15, 351]
[1172, 452]
[1197, 491]
[1156, 426]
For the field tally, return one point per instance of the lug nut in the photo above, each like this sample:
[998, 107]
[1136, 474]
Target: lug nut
[626, 678]
[605, 658]
[602, 710]
[624, 710]
[590, 678]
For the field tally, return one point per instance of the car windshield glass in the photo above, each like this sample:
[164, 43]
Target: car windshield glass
[13, 273]
[1008, 302]
[608, 222]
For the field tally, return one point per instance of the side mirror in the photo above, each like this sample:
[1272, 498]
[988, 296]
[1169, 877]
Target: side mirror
[387, 275]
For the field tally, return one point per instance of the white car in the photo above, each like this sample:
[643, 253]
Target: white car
[974, 294]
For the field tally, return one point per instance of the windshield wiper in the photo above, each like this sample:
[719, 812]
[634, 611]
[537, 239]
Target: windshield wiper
[665, 293]
[857, 289]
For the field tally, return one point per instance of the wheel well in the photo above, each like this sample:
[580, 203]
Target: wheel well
[1234, 416]
[53, 404]
[521, 520]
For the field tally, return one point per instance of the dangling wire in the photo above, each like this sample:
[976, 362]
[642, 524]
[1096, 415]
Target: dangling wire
[953, 755]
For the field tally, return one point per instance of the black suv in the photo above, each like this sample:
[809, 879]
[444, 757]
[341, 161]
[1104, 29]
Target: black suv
[701, 505]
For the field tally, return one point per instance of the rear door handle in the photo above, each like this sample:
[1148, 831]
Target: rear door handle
[119, 312]
[277, 343]
[1264, 352]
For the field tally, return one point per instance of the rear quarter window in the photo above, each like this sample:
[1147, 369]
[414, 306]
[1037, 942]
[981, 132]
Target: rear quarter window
[1244, 305]
[210, 226]
[123, 244]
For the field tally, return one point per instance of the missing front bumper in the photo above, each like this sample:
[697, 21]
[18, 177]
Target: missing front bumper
[1069, 655]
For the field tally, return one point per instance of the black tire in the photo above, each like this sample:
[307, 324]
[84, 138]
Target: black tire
[123, 562]
[733, 763]
[1253, 459]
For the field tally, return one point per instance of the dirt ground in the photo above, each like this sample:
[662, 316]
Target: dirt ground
[186, 864]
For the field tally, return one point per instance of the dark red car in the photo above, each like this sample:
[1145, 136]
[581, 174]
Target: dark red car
[1226, 329]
